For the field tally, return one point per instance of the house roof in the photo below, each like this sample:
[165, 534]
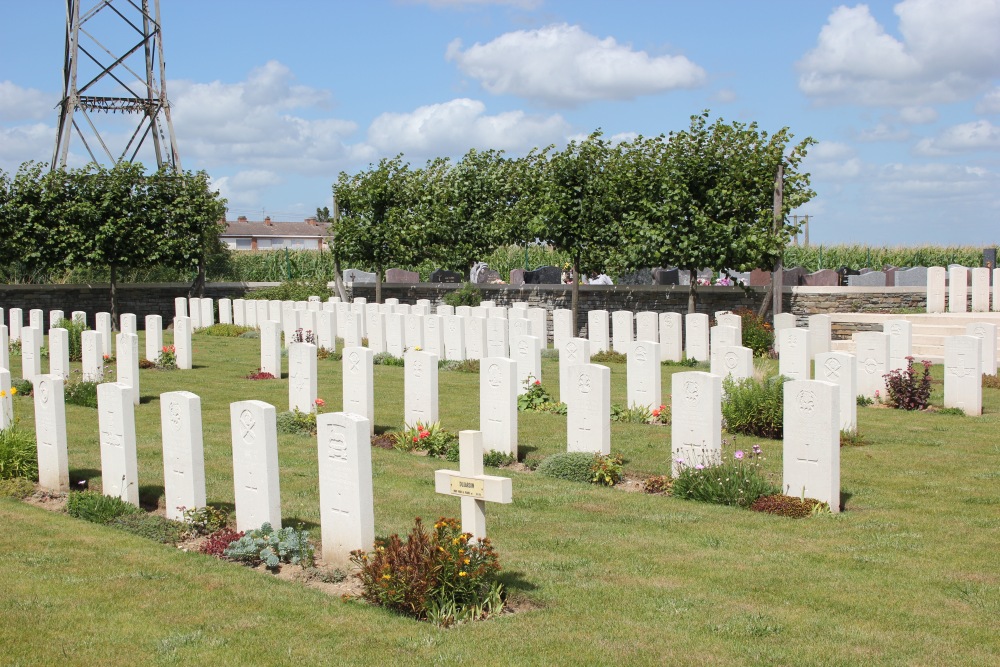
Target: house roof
[285, 229]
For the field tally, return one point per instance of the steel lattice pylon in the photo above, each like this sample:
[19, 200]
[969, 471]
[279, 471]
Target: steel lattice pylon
[112, 69]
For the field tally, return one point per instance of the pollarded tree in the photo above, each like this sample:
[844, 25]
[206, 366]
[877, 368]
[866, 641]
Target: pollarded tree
[376, 223]
[705, 197]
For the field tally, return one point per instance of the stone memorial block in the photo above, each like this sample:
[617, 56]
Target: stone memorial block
[647, 327]
[821, 278]
[794, 276]
[516, 277]
[499, 312]
[820, 334]
[643, 375]
[183, 453]
[353, 328]
[488, 303]
[103, 324]
[872, 353]
[255, 464]
[401, 308]
[721, 336]
[666, 277]
[50, 432]
[180, 307]
[980, 290]
[498, 404]
[394, 341]
[696, 333]
[963, 386]
[622, 331]
[890, 276]
[182, 343]
[434, 335]
[733, 361]
[127, 362]
[326, 330]
[116, 421]
[342, 309]
[478, 311]
[811, 449]
[346, 496]
[36, 319]
[31, 353]
[413, 331]
[543, 275]
[59, 352]
[6, 400]
[527, 352]
[444, 310]
[358, 384]
[16, 319]
[846, 272]
[671, 336]
[900, 334]
[539, 325]
[795, 357]
[239, 312]
[782, 321]
[575, 351]
[289, 322]
[442, 276]
[870, 279]
[301, 306]
[314, 299]
[420, 391]
[401, 276]
[562, 327]
[307, 323]
[696, 414]
[357, 276]
[518, 326]
[273, 310]
[391, 301]
[78, 316]
[463, 311]
[958, 289]
[420, 309]
[57, 316]
[588, 415]
[914, 277]
[250, 313]
[726, 318]
[226, 311]
[487, 276]
[597, 331]
[987, 333]
[127, 323]
[497, 339]
[4, 347]
[302, 377]
[475, 338]
[374, 326]
[841, 369]
[454, 337]
[469, 483]
[154, 337]
[194, 312]
[92, 356]
[270, 348]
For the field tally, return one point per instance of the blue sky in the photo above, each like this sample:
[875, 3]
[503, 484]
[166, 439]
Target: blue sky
[273, 100]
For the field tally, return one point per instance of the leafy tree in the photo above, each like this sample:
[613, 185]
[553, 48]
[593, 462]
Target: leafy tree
[703, 197]
[323, 214]
[376, 224]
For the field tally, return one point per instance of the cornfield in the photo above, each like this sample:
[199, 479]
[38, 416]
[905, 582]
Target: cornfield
[818, 257]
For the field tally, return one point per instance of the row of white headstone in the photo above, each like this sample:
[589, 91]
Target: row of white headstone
[953, 284]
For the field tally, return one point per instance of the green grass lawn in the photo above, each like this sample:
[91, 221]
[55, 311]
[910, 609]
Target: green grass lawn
[908, 575]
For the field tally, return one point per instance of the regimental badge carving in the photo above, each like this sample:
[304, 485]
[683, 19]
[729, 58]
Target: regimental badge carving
[493, 375]
[640, 353]
[418, 368]
[174, 414]
[895, 330]
[730, 360]
[871, 366]
[338, 446]
[979, 331]
[522, 348]
[247, 423]
[832, 368]
[43, 391]
[583, 383]
[807, 400]
[354, 360]
[570, 349]
[691, 391]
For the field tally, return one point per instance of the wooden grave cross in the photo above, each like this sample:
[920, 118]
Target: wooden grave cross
[471, 485]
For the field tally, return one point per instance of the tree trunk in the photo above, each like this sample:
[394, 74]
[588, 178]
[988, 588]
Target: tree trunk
[777, 278]
[199, 281]
[378, 285]
[114, 297]
[576, 297]
[693, 291]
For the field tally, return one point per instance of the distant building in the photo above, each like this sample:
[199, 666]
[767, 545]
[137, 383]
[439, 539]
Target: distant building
[244, 234]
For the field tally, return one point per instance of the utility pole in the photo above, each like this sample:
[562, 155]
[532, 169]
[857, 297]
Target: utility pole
[777, 278]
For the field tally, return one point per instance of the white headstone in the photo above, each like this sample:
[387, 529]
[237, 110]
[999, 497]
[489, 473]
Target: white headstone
[6, 400]
[207, 312]
[270, 348]
[194, 312]
[872, 352]
[444, 310]
[302, 377]
[725, 318]
[900, 334]
[488, 303]
[782, 321]
[394, 334]
[78, 316]
[434, 335]
[475, 337]
[597, 331]
[499, 312]
[840, 369]
[346, 495]
[255, 464]
[454, 337]
[643, 375]
[497, 338]
[469, 483]
[55, 317]
[671, 336]
[539, 325]
[182, 343]
[980, 290]
[116, 420]
[527, 352]
[987, 333]
[574, 351]
[16, 319]
[127, 355]
[353, 328]
[721, 336]
[128, 324]
[420, 392]
[59, 352]
[958, 289]
[93, 357]
[793, 361]
[647, 327]
[103, 324]
[289, 321]
[963, 382]
[240, 312]
[31, 353]
[696, 414]
[562, 327]
[733, 361]
[413, 331]
[358, 385]
[518, 326]
[811, 450]
[588, 415]
[696, 333]
[498, 404]
[250, 313]
[225, 311]
[375, 327]
[820, 334]
[463, 311]
[183, 453]
[622, 331]
[154, 337]
[36, 319]
[50, 433]
[180, 306]
[4, 347]
[261, 313]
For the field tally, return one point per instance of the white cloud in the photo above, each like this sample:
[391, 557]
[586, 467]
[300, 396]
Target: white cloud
[882, 132]
[948, 52]
[942, 182]
[832, 161]
[561, 65]
[724, 96]
[25, 142]
[17, 103]
[452, 128]
[974, 136]
[990, 104]
[918, 115]
[462, 4]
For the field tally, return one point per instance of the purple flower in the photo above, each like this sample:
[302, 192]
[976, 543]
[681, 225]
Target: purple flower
[699, 467]
[738, 455]
[757, 449]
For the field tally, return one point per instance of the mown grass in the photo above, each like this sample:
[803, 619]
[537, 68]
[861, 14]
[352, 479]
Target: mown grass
[907, 575]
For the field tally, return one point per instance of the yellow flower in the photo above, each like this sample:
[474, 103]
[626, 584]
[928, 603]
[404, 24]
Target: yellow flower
[13, 390]
[3, 394]
[386, 576]
[462, 574]
[466, 561]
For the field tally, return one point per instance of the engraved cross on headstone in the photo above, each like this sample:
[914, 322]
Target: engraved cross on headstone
[471, 485]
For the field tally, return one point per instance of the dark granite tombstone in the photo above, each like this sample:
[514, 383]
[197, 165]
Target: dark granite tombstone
[844, 272]
[822, 278]
[543, 275]
[760, 278]
[401, 276]
[793, 277]
[666, 277]
[442, 276]
[990, 258]
[638, 277]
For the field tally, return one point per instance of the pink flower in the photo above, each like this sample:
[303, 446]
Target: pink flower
[876, 393]
[320, 402]
[738, 455]
[699, 467]
[414, 438]
[538, 382]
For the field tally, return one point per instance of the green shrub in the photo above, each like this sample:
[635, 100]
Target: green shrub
[466, 295]
[608, 357]
[737, 481]
[273, 547]
[18, 453]
[226, 330]
[295, 422]
[606, 470]
[445, 577]
[495, 459]
[685, 362]
[864, 401]
[75, 330]
[151, 526]
[217, 543]
[574, 466]
[957, 412]
[754, 407]
[253, 333]
[166, 360]
[789, 506]
[431, 438]
[205, 520]
[296, 290]
[851, 439]
[21, 386]
[465, 366]
[905, 390]
[758, 335]
[637, 414]
[657, 484]
[386, 359]
[16, 487]
[537, 399]
[81, 392]
[991, 381]
[96, 507]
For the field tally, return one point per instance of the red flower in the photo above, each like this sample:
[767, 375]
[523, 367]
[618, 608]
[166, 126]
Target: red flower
[414, 438]
[320, 402]
[538, 381]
